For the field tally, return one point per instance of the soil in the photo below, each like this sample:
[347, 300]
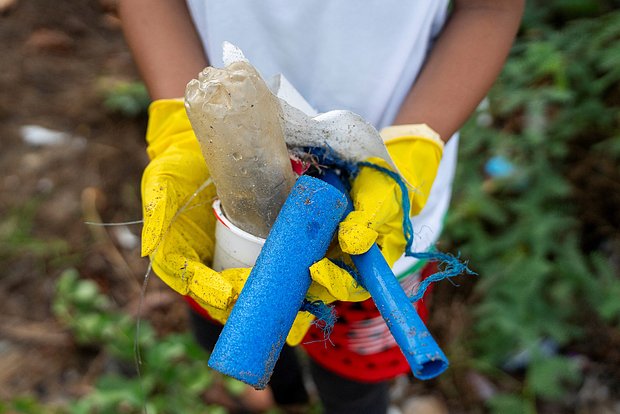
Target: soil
[57, 58]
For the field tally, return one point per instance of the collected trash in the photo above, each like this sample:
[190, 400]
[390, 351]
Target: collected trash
[36, 136]
[244, 131]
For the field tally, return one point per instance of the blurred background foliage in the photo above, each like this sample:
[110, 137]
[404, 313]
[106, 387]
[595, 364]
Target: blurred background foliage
[536, 212]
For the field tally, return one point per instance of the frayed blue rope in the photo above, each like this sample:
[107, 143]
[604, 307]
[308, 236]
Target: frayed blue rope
[325, 315]
[449, 266]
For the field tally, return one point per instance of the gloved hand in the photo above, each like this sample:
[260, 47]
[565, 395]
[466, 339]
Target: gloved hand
[330, 283]
[179, 225]
[179, 228]
[378, 206]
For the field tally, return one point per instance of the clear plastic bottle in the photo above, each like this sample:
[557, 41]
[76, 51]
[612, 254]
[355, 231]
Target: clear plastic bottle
[238, 123]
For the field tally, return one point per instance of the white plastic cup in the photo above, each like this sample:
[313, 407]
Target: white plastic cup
[234, 247]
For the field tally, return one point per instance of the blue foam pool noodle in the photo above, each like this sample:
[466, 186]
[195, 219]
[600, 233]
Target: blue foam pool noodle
[263, 315]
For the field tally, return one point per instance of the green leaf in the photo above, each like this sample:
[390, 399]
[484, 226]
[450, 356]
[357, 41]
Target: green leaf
[234, 386]
[127, 98]
[509, 404]
[551, 377]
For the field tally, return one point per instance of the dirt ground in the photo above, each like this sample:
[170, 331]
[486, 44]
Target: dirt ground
[56, 59]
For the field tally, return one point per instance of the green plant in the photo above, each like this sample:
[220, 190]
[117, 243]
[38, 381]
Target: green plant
[17, 235]
[542, 274]
[93, 319]
[171, 374]
[551, 14]
[26, 405]
[129, 99]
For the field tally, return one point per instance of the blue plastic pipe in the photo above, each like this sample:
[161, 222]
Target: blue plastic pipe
[415, 341]
[260, 321]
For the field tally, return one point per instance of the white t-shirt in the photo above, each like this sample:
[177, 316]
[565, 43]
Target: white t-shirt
[344, 54]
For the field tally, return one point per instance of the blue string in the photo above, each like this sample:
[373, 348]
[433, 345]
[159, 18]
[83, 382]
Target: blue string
[325, 315]
[449, 266]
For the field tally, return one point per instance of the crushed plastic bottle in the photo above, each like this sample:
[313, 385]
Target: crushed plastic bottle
[238, 123]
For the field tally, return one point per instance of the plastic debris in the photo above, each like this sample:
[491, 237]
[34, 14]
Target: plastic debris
[36, 135]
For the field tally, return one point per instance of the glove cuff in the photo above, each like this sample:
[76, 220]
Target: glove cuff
[168, 125]
[166, 104]
[420, 131]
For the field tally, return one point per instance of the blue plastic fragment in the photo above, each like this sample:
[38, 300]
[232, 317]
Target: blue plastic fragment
[499, 167]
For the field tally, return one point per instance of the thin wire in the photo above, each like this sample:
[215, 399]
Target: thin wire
[137, 354]
[136, 342]
[126, 223]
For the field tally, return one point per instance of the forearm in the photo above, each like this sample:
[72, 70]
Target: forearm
[165, 45]
[464, 63]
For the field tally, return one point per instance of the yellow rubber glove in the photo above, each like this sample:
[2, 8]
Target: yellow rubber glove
[378, 213]
[329, 283]
[179, 225]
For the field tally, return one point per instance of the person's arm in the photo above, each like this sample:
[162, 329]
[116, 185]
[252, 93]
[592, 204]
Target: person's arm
[463, 64]
[164, 43]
